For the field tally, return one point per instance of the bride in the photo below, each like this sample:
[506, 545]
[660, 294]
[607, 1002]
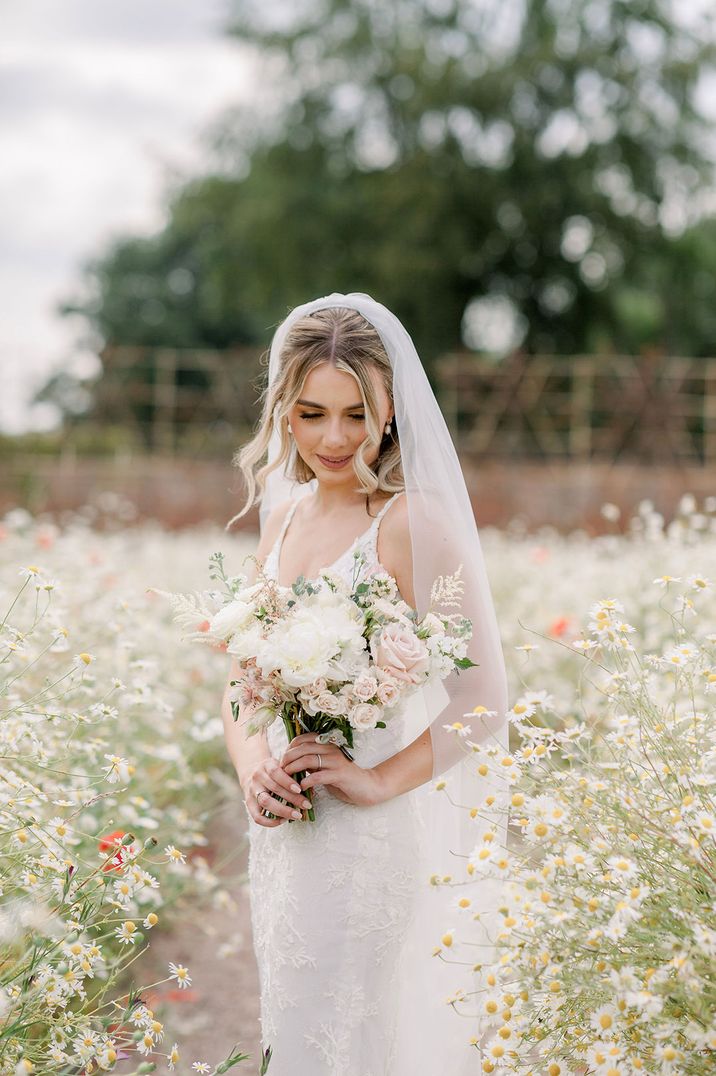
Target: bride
[347, 926]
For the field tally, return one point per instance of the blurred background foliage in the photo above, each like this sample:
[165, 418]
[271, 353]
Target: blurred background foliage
[502, 174]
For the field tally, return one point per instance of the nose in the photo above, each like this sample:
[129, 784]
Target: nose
[335, 436]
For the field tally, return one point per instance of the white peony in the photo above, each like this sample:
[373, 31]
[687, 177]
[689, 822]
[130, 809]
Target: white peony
[321, 638]
[244, 644]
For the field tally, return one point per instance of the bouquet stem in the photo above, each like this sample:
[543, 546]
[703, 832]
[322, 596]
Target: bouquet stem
[293, 728]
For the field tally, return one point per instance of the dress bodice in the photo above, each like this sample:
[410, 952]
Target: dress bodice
[367, 543]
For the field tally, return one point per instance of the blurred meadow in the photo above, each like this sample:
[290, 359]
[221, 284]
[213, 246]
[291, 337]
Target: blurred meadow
[530, 187]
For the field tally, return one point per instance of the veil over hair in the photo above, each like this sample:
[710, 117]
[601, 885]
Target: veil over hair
[443, 537]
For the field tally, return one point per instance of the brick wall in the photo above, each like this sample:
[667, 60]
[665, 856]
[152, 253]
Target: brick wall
[182, 492]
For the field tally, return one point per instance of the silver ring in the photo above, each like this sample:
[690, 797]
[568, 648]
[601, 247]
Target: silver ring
[319, 760]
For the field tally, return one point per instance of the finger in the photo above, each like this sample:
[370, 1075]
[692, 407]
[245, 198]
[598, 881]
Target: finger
[299, 742]
[283, 785]
[304, 738]
[325, 776]
[269, 823]
[283, 810]
[305, 762]
[261, 819]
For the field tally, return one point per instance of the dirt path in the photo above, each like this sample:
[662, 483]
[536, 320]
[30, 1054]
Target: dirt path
[220, 1009]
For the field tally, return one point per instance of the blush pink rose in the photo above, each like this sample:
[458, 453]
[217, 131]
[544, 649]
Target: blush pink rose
[401, 653]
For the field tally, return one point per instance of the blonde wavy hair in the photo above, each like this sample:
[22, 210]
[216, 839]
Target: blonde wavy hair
[345, 339]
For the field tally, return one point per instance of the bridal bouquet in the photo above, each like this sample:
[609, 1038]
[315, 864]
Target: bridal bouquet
[327, 656]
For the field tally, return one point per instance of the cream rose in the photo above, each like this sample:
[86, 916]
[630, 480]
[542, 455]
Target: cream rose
[328, 703]
[364, 716]
[317, 687]
[365, 688]
[388, 693]
[400, 653]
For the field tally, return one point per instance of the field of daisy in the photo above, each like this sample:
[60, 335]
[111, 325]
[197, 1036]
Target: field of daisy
[113, 765]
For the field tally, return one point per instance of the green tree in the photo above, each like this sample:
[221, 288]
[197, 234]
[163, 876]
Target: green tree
[434, 153]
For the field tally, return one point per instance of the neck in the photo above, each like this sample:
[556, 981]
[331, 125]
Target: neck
[328, 498]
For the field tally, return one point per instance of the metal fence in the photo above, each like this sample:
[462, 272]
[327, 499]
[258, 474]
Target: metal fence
[581, 407]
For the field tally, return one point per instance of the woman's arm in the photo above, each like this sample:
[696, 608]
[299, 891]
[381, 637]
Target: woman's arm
[411, 767]
[246, 752]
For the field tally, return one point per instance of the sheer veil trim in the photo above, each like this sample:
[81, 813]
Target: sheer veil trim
[443, 536]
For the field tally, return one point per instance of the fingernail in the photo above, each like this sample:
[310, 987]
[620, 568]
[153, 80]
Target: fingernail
[295, 788]
[307, 804]
[296, 814]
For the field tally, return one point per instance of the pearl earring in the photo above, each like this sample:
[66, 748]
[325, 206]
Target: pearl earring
[288, 427]
[387, 427]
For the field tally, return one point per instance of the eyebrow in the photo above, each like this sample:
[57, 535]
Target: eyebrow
[310, 403]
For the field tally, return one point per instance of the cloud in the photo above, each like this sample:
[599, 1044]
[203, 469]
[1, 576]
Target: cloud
[99, 106]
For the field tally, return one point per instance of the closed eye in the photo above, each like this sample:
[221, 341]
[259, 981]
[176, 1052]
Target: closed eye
[358, 418]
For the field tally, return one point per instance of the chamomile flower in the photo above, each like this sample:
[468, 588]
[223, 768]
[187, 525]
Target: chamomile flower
[174, 854]
[181, 974]
[126, 932]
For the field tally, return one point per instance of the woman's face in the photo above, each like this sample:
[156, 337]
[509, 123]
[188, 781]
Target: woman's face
[328, 421]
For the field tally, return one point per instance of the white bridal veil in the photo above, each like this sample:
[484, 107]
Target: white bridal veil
[443, 536]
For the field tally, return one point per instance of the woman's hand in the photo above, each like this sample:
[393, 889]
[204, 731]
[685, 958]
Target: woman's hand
[268, 777]
[337, 774]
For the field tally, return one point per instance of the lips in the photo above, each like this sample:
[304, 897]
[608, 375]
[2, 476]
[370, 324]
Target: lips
[336, 461]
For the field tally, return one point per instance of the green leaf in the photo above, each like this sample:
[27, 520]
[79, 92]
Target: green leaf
[465, 663]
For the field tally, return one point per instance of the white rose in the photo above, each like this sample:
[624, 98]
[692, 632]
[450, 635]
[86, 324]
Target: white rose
[232, 618]
[432, 624]
[364, 716]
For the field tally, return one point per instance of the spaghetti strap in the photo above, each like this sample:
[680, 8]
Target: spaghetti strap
[286, 520]
[386, 506]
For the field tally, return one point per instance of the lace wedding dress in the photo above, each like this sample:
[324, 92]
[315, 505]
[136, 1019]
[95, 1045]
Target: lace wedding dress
[331, 904]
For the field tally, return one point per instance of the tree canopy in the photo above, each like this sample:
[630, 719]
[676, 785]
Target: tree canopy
[545, 157]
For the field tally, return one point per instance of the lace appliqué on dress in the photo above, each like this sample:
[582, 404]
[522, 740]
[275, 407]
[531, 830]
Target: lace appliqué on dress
[330, 903]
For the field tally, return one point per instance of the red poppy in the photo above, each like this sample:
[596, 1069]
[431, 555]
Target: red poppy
[179, 993]
[106, 844]
[559, 625]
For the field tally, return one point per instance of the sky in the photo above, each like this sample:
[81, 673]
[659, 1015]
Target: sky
[101, 106]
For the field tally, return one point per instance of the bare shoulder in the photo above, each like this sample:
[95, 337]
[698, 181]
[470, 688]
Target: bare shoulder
[394, 548]
[271, 529]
